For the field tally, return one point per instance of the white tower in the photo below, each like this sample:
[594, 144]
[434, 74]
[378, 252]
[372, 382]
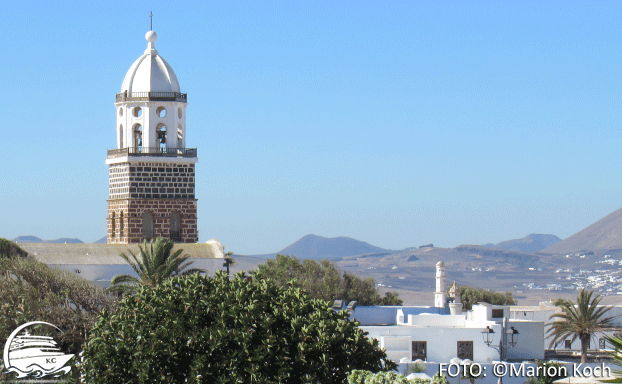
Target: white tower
[152, 173]
[440, 295]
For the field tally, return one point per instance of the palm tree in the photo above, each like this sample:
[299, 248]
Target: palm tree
[228, 261]
[156, 264]
[580, 321]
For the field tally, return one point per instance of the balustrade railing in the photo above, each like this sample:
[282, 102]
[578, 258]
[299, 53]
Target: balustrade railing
[152, 151]
[152, 96]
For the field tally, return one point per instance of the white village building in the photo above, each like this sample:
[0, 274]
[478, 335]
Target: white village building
[444, 332]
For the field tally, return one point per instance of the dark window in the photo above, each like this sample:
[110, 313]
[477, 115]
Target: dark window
[147, 225]
[175, 226]
[601, 343]
[465, 350]
[114, 225]
[568, 344]
[420, 350]
[497, 313]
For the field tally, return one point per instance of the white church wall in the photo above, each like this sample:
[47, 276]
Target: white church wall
[530, 343]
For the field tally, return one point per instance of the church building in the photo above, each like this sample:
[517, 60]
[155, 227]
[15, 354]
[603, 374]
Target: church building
[152, 173]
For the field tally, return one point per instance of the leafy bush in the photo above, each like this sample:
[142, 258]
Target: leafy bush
[10, 249]
[322, 280]
[366, 377]
[221, 330]
[32, 291]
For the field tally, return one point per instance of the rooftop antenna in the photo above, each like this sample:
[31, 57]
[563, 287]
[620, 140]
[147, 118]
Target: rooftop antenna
[151, 17]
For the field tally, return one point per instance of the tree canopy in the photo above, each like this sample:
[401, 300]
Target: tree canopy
[473, 295]
[322, 280]
[32, 291]
[226, 330]
[10, 249]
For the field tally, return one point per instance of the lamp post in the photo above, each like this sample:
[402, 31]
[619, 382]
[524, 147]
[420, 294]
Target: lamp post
[511, 338]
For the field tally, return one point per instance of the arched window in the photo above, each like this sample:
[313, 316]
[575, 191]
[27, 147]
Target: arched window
[121, 224]
[114, 226]
[161, 135]
[175, 226]
[147, 225]
[138, 136]
[121, 136]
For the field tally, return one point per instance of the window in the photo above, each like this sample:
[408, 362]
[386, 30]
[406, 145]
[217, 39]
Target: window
[179, 112]
[180, 137]
[147, 225]
[601, 343]
[465, 350]
[161, 112]
[121, 225]
[137, 112]
[497, 313]
[420, 350]
[114, 229]
[175, 226]
[121, 136]
[121, 111]
[568, 344]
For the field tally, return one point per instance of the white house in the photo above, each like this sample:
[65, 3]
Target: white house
[444, 332]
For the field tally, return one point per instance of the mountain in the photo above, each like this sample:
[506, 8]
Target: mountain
[603, 235]
[531, 243]
[318, 247]
[27, 239]
[35, 239]
[103, 240]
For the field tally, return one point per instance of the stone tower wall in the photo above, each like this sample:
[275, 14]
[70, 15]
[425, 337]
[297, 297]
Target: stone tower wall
[129, 229]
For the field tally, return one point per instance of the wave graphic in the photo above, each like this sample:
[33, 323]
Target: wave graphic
[37, 372]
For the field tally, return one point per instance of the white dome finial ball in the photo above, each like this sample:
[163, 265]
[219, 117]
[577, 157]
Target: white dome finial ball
[151, 36]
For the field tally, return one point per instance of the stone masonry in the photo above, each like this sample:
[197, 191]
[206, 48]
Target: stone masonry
[159, 189]
[126, 225]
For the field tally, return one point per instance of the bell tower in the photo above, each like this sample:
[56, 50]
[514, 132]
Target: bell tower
[152, 173]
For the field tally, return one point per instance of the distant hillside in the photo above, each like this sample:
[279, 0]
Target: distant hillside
[318, 247]
[531, 243]
[603, 235]
[103, 240]
[35, 239]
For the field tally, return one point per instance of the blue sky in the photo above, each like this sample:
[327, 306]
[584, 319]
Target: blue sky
[397, 123]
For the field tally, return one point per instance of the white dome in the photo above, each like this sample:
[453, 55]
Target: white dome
[150, 72]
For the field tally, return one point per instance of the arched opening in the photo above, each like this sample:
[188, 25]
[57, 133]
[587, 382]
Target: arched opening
[121, 136]
[179, 112]
[175, 226]
[114, 226]
[121, 111]
[138, 136]
[161, 112]
[121, 224]
[161, 136]
[180, 137]
[147, 225]
[137, 112]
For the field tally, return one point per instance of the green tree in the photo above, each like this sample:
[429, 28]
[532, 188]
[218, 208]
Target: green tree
[322, 280]
[580, 321]
[542, 373]
[32, 291]
[226, 330]
[366, 377]
[10, 249]
[616, 356]
[157, 263]
[472, 295]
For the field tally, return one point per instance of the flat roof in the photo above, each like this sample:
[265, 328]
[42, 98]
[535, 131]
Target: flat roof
[92, 253]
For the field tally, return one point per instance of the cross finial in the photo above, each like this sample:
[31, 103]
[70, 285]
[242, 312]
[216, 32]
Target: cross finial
[151, 17]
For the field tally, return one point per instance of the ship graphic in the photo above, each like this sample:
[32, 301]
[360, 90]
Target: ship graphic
[30, 355]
